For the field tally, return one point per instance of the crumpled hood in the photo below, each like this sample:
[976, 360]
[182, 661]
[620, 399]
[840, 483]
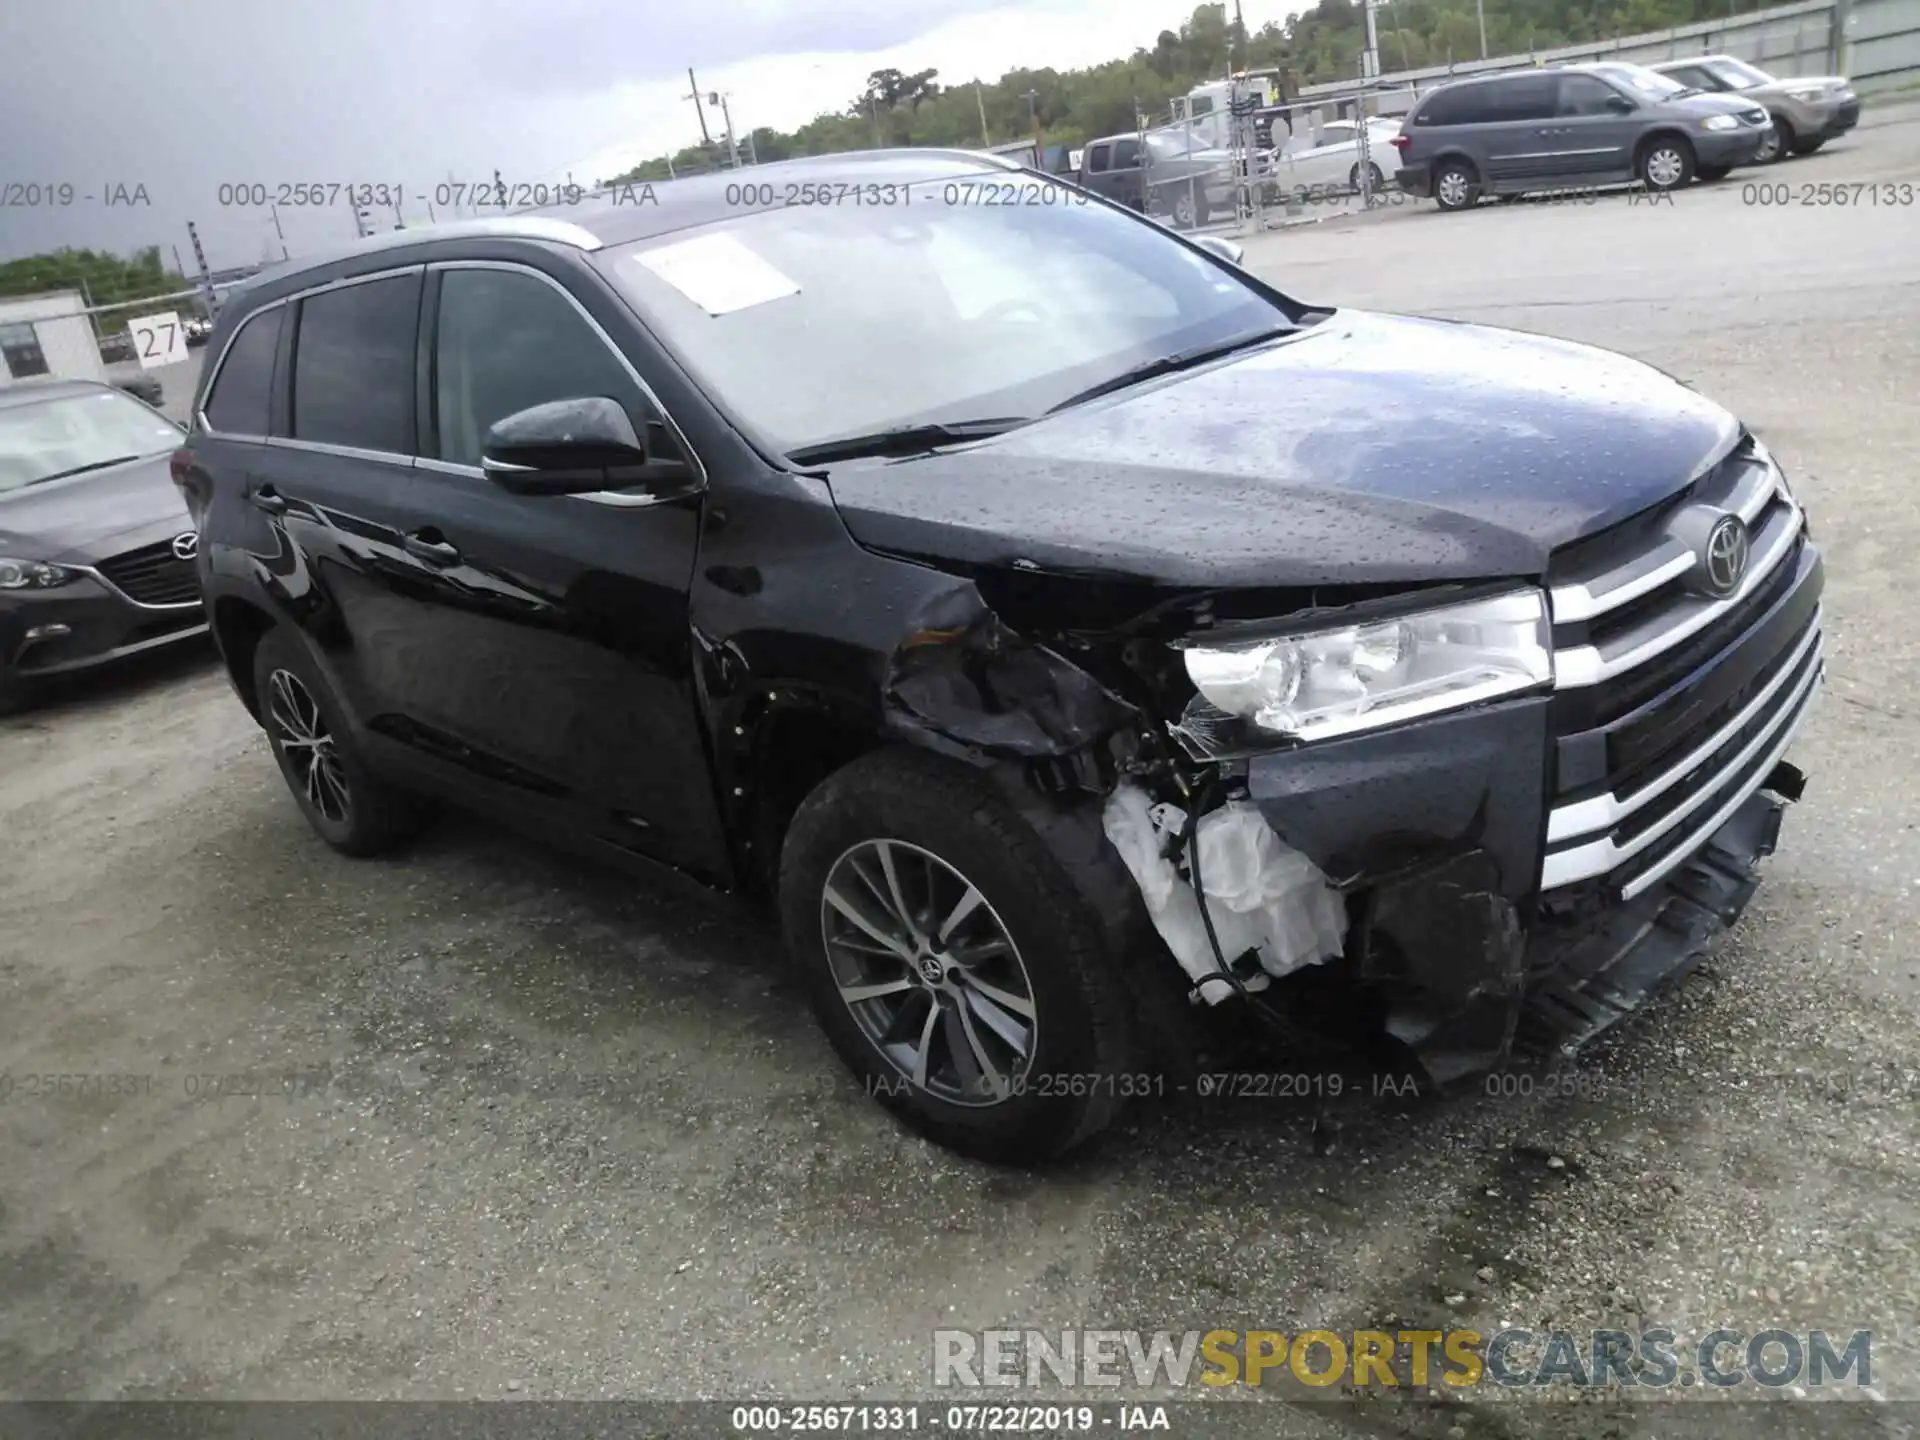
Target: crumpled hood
[1366, 449]
[81, 518]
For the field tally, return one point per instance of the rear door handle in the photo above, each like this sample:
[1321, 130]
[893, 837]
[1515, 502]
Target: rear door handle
[427, 545]
[270, 500]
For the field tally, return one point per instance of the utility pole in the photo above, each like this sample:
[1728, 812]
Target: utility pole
[1240, 28]
[980, 101]
[733, 151]
[706, 140]
[1033, 115]
[1370, 61]
[200, 259]
[1481, 7]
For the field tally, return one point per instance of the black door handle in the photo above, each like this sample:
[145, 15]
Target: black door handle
[434, 552]
[270, 500]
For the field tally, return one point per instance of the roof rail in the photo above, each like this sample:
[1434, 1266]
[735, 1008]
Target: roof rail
[510, 227]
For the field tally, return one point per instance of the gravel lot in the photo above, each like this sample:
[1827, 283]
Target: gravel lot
[581, 1140]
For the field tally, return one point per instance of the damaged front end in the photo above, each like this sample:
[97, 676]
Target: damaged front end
[1351, 800]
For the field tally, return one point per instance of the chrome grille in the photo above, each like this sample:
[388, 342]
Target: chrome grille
[153, 575]
[1671, 707]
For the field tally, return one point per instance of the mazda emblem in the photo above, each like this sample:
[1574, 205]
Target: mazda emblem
[186, 546]
[1723, 561]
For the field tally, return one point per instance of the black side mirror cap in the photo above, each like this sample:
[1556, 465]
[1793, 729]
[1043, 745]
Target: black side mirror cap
[1620, 105]
[575, 447]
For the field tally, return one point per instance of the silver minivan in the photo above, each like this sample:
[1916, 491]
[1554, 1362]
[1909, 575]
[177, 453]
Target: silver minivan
[1570, 127]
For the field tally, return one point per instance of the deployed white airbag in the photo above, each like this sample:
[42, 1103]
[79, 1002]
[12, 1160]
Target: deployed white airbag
[1261, 895]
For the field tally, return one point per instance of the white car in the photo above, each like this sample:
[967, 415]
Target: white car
[1330, 159]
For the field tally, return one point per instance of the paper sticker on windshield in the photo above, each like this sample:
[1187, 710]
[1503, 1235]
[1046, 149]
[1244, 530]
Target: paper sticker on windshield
[717, 273]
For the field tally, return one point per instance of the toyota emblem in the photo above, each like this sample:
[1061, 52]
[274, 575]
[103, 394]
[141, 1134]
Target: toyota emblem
[186, 546]
[1723, 561]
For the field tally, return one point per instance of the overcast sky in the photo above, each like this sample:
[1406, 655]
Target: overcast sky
[181, 96]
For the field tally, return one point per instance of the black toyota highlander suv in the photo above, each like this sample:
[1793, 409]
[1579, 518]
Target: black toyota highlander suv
[1076, 640]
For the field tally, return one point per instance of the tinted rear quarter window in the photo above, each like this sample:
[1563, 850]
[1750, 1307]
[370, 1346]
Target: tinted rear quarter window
[353, 361]
[1456, 105]
[242, 394]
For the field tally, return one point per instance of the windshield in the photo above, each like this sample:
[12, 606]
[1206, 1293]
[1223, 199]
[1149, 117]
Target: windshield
[1650, 83]
[818, 322]
[73, 432]
[1737, 74]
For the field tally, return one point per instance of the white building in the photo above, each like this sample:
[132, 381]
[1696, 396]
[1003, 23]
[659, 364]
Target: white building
[47, 335]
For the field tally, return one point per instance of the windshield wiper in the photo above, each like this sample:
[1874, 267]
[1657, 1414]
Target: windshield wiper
[82, 469]
[906, 439]
[1170, 364]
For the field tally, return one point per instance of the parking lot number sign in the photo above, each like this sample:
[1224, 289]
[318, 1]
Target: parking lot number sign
[158, 340]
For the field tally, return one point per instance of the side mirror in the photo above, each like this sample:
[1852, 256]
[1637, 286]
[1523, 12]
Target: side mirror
[1224, 248]
[1620, 105]
[570, 447]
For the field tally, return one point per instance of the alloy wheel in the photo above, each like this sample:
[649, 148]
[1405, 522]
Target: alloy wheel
[929, 972]
[301, 734]
[1665, 167]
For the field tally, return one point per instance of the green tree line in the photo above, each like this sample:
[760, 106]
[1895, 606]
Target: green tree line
[101, 277]
[1069, 107]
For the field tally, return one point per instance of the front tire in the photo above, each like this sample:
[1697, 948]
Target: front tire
[1667, 163]
[1775, 143]
[346, 804]
[953, 964]
[1376, 182]
[1456, 185]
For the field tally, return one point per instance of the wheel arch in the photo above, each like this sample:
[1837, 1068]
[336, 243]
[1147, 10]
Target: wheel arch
[238, 626]
[1653, 137]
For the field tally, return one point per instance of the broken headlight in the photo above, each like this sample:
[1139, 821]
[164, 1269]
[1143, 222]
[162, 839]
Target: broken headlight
[1327, 682]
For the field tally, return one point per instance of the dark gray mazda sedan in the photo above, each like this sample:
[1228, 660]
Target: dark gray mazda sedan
[96, 547]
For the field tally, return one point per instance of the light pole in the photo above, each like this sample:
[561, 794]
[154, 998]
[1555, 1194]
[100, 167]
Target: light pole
[733, 151]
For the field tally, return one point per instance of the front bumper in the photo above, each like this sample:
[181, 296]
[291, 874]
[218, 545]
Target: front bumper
[1500, 893]
[1845, 116]
[1727, 148]
[84, 624]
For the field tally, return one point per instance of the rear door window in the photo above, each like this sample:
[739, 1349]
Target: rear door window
[1524, 97]
[353, 363]
[1097, 158]
[242, 395]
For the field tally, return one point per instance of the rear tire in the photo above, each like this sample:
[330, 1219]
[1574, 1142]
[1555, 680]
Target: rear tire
[346, 804]
[1189, 210]
[1666, 163]
[1456, 185]
[1375, 180]
[908, 840]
